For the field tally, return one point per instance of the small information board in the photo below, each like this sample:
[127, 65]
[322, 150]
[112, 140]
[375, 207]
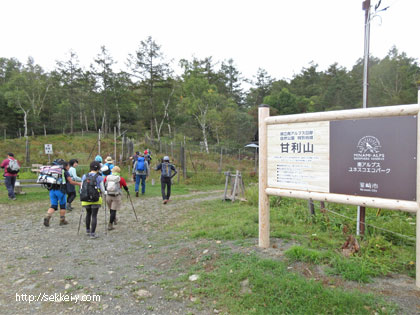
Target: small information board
[48, 148]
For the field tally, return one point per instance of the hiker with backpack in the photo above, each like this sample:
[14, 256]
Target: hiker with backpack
[90, 196]
[71, 191]
[141, 170]
[58, 192]
[106, 169]
[148, 156]
[11, 169]
[113, 184]
[168, 171]
[134, 159]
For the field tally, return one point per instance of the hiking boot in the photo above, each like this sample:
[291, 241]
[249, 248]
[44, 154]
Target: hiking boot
[165, 202]
[110, 227]
[115, 221]
[69, 207]
[93, 235]
[63, 221]
[137, 193]
[47, 221]
[87, 232]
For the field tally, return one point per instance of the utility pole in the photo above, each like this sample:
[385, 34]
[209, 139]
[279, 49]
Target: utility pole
[361, 211]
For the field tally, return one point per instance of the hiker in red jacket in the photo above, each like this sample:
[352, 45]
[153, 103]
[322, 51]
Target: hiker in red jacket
[11, 168]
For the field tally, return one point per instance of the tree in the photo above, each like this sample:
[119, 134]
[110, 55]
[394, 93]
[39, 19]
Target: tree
[262, 83]
[200, 98]
[149, 66]
[70, 74]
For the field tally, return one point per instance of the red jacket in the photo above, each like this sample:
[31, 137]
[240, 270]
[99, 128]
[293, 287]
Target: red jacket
[5, 164]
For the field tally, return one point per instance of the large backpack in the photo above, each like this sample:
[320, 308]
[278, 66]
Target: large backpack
[90, 190]
[51, 175]
[140, 164]
[166, 170]
[112, 185]
[106, 170]
[13, 167]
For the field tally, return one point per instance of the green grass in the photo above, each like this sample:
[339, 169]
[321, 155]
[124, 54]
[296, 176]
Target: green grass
[272, 289]
[320, 238]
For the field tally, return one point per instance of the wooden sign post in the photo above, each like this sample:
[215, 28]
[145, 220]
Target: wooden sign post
[352, 157]
[48, 151]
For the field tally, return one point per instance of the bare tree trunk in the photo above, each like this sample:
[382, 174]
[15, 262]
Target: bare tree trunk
[151, 129]
[119, 122]
[94, 119]
[45, 131]
[103, 123]
[86, 122]
[169, 130]
[203, 129]
[81, 118]
[71, 123]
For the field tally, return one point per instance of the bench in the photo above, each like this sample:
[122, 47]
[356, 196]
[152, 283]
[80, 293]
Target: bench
[22, 183]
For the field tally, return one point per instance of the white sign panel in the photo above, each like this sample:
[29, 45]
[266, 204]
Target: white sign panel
[48, 148]
[298, 156]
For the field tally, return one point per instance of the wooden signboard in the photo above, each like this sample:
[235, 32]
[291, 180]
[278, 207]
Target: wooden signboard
[366, 157]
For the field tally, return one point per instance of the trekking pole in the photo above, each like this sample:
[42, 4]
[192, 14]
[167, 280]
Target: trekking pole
[106, 232]
[129, 197]
[80, 221]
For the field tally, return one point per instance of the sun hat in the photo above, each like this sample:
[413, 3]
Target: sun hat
[109, 159]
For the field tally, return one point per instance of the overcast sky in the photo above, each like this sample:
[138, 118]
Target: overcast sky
[281, 36]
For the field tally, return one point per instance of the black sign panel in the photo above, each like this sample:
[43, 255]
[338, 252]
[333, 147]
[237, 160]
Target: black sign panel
[374, 157]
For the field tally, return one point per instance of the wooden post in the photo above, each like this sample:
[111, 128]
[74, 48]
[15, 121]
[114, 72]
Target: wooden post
[45, 131]
[235, 186]
[362, 220]
[28, 159]
[115, 145]
[311, 207]
[418, 197]
[221, 160]
[182, 155]
[263, 200]
[226, 185]
[99, 142]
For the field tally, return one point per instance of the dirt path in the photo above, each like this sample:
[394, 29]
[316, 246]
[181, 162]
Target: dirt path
[125, 268]
[129, 268]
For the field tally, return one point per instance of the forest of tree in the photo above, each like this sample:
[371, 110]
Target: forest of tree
[205, 103]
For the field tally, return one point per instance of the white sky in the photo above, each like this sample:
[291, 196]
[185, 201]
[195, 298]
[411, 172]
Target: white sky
[281, 36]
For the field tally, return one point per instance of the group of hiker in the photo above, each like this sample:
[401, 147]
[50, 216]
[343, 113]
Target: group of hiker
[103, 181]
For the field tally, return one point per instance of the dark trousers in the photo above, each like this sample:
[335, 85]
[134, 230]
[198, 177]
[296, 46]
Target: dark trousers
[165, 182]
[112, 215]
[71, 196]
[10, 181]
[91, 218]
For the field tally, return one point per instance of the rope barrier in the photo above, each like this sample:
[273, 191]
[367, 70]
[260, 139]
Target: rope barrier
[366, 224]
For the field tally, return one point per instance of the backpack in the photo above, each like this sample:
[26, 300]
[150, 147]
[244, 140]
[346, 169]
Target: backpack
[140, 164]
[13, 167]
[105, 170]
[51, 175]
[112, 185]
[89, 191]
[166, 170]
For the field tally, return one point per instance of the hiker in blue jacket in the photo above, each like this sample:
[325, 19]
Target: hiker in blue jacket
[141, 170]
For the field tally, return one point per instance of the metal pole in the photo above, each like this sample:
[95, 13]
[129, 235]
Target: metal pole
[361, 211]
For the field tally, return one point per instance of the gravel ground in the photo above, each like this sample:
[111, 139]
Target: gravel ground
[128, 268]
[125, 268]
